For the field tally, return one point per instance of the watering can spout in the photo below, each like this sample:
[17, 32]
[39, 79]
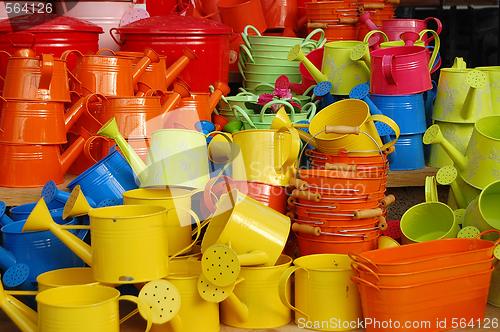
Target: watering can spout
[23, 316]
[366, 20]
[409, 37]
[477, 80]
[40, 219]
[76, 111]
[459, 63]
[181, 90]
[433, 135]
[296, 54]
[221, 89]
[71, 154]
[282, 120]
[150, 57]
[178, 66]
[110, 130]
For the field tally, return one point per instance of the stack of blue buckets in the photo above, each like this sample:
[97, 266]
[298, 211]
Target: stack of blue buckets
[408, 111]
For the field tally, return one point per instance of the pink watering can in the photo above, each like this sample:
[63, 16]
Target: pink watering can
[402, 70]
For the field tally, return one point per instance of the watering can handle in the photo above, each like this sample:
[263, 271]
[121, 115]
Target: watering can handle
[244, 34]
[217, 132]
[439, 25]
[293, 149]
[237, 109]
[437, 44]
[241, 70]
[360, 259]
[358, 280]
[310, 108]
[113, 36]
[138, 302]
[392, 124]
[46, 71]
[342, 130]
[298, 183]
[197, 229]
[387, 68]
[283, 283]
[306, 229]
[277, 102]
[367, 37]
[357, 267]
[312, 34]
[87, 149]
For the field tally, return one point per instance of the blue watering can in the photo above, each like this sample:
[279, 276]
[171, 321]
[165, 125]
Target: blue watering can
[53, 195]
[22, 212]
[104, 183]
[4, 218]
[39, 251]
[322, 90]
[408, 154]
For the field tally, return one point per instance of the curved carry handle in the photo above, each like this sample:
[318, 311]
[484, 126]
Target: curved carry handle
[360, 259]
[497, 242]
[216, 132]
[79, 55]
[306, 229]
[373, 6]
[437, 45]
[277, 102]
[387, 68]
[87, 148]
[357, 267]
[347, 20]
[247, 52]
[111, 33]
[369, 34]
[358, 280]
[105, 49]
[237, 109]
[392, 124]
[46, 70]
[284, 279]
[310, 108]
[197, 229]
[439, 26]
[136, 300]
[293, 150]
[244, 34]
[263, 84]
[312, 34]
[431, 189]
[241, 70]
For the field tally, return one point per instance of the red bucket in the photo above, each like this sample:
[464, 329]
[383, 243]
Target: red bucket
[239, 13]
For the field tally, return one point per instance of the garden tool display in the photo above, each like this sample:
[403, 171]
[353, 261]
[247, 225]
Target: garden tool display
[430, 220]
[463, 95]
[157, 76]
[109, 75]
[480, 164]
[42, 78]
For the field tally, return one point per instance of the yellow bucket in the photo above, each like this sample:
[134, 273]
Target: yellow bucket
[259, 292]
[195, 314]
[248, 227]
[80, 309]
[177, 201]
[267, 156]
[347, 125]
[75, 276]
[325, 297]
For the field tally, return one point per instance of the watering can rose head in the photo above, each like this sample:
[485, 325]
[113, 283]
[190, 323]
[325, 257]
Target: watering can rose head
[282, 91]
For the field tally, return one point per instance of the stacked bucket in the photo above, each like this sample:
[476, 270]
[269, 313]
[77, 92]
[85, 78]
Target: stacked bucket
[339, 204]
[337, 18]
[264, 58]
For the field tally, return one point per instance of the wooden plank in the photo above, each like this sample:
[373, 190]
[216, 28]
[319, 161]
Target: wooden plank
[438, 3]
[409, 178]
[19, 196]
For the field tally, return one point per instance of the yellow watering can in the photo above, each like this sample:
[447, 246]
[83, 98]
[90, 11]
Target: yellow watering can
[346, 63]
[481, 163]
[93, 308]
[325, 297]
[178, 157]
[139, 231]
[463, 95]
[456, 133]
[493, 73]
[348, 126]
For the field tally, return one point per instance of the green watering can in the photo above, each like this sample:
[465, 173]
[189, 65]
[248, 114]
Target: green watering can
[481, 163]
[458, 134]
[494, 77]
[463, 95]
[263, 121]
[484, 211]
[431, 220]
[461, 193]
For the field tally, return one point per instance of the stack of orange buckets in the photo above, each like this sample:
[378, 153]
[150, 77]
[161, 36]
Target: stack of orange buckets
[339, 204]
[337, 18]
[377, 11]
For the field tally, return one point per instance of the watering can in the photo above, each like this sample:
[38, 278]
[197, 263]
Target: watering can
[463, 95]
[482, 212]
[494, 76]
[178, 157]
[431, 220]
[481, 163]
[26, 255]
[448, 176]
[52, 195]
[109, 75]
[347, 125]
[42, 78]
[139, 230]
[458, 134]
[157, 76]
[39, 122]
[92, 307]
[4, 218]
[203, 104]
[345, 64]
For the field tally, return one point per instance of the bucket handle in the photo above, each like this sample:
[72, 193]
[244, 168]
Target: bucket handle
[283, 283]
[46, 71]
[138, 302]
[277, 102]
[387, 68]
[367, 37]
[392, 124]
[311, 110]
[358, 280]
[263, 84]
[437, 44]
[247, 52]
[439, 26]
[244, 34]
[292, 149]
[317, 43]
[197, 229]
[497, 242]
[113, 36]
[360, 259]
[357, 267]
[217, 132]
[241, 70]
[237, 109]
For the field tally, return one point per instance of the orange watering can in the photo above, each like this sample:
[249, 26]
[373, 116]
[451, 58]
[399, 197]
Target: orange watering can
[36, 78]
[109, 75]
[205, 103]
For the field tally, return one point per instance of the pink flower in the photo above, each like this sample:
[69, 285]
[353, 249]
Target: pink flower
[281, 91]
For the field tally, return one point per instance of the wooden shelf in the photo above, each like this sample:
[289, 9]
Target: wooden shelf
[410, 178]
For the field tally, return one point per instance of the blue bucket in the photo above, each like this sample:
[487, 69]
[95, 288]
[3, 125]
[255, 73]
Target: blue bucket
[40, 251]
[107, 180]
[409, 153]
[408, 111]
[21, 212]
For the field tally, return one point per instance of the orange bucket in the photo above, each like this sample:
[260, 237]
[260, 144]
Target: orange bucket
[342, 181]
[307, 213]
[335, 205]
[319, 159]
[440, 303]
[335, 31]
[312, 245]
[239, 13]
[338, 224]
